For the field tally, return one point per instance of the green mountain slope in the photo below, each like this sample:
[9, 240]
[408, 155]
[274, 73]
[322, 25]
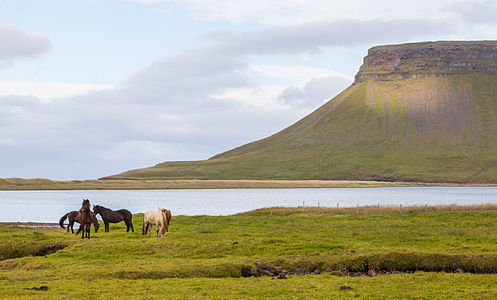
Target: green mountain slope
[432, 129]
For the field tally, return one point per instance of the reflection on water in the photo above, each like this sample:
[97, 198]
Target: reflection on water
[49, 206]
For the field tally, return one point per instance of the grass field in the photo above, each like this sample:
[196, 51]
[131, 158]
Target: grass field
[47, 184]
[419, 252]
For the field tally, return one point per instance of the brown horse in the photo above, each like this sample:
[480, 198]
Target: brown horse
[111, 216]
[86, 217]
[70, 216]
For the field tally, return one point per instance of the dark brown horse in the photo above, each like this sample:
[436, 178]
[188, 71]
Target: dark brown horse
[111, 216]
[85, 217]
[71, 218]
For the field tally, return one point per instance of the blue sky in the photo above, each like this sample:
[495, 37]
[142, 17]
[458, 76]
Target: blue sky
[91, 88]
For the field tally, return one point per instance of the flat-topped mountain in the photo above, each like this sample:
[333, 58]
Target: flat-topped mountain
[429, 59]
[416, 112]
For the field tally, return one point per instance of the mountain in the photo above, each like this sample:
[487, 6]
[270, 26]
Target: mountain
[416, 112]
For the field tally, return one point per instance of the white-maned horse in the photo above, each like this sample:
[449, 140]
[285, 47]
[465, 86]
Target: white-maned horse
[159, 217]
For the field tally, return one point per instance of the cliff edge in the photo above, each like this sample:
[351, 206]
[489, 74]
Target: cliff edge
[428, 59]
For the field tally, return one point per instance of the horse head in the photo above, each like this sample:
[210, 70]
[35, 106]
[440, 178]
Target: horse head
[85, 205]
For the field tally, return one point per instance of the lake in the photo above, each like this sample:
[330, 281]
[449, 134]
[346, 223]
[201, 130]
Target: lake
[49, 206]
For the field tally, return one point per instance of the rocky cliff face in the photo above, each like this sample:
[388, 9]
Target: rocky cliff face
[429, 59]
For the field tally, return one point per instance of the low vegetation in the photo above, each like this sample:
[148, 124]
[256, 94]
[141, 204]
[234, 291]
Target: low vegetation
[47, 184]
[368, 252]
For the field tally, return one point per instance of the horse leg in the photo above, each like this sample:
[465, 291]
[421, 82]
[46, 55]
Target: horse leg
[88, 227]
[82, 228]
[106, 223]
[131, 223]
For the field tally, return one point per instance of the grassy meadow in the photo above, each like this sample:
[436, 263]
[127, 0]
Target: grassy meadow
[370, 252]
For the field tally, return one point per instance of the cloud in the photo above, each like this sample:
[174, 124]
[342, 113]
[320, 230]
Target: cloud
[310, 37]
[48, 90]
[315, 92]
[187, 106]
[475, 12]
[17, 43]
[304, 11]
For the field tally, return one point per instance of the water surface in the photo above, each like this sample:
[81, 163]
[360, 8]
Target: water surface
[49, 206]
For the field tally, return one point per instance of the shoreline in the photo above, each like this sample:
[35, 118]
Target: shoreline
[13, 184]
[359, 210]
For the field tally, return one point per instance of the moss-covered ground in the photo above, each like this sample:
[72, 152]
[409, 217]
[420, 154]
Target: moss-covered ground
[370, 252]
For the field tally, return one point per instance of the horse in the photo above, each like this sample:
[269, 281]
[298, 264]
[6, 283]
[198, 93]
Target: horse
[86, 217]
[70, 217]
[112, 216]
[160, 217]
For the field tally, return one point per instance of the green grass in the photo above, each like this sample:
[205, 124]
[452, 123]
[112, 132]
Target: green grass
[393, 251]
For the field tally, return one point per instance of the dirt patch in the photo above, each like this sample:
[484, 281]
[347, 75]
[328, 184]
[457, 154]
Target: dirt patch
[46, 250]
[41, 288]
[259, 270]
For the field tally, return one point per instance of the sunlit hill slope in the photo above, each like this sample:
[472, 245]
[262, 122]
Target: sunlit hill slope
[416, 112]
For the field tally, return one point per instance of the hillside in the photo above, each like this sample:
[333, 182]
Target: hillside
[416, 112]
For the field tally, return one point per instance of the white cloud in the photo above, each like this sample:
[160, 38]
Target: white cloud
[315, 92]
[48, 90]
[298, 73]
[303, 11]
[17, 43]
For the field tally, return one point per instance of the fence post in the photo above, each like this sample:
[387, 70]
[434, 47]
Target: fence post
[303, 206]
[401, 208]
[357, 208]
[271, 211]
[481, 208]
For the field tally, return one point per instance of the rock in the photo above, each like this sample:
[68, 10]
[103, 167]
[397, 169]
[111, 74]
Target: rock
[429, 59]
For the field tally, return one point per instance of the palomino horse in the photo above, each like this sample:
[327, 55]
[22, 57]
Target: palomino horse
[112, 216]
[85, 217]
[160, 217]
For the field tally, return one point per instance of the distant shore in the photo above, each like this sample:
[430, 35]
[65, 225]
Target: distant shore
[47, 184]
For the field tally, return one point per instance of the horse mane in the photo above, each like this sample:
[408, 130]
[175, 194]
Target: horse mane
[103, 207]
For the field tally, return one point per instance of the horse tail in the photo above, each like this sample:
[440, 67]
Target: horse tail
[61, 221]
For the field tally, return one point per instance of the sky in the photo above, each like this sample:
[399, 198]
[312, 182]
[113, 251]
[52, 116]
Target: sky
[92, 88]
